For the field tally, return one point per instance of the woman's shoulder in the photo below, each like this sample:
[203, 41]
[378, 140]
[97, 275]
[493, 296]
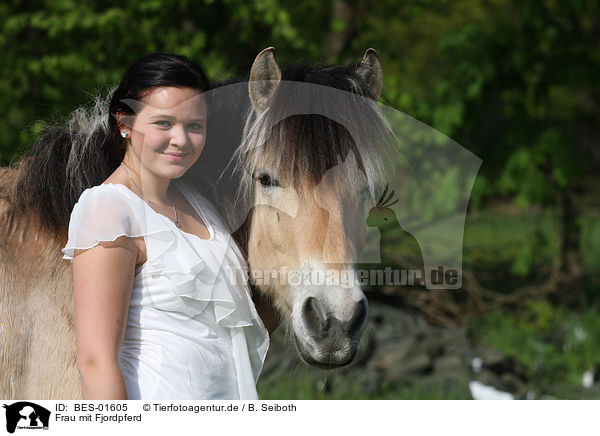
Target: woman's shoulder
[113, 196]
[105, 213]
[111, 206]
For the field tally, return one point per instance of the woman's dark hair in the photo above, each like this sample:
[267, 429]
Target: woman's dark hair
[68, 159]
[143, 76]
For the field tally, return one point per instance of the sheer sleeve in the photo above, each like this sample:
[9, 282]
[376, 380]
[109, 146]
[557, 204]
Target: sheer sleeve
[103, 214]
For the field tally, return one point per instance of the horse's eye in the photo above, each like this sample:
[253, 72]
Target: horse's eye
[266, 180]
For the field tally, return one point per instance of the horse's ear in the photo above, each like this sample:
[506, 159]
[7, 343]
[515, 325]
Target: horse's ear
[370, 71]
[264, 79]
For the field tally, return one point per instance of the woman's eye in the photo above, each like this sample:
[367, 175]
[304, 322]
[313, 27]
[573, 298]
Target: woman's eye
[196, 126]
[162, 123]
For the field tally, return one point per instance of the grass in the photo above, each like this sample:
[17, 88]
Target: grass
[524, 240]
[304, 384]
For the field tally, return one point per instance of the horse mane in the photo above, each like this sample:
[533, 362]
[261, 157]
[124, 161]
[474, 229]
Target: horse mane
[65, 160]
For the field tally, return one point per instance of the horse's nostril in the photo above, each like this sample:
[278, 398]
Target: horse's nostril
[312, 316]
[355, 324]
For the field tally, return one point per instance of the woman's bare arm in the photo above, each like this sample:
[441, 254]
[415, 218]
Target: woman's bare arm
[102, 281]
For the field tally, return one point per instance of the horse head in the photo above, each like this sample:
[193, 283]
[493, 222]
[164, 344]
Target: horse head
[312, 179]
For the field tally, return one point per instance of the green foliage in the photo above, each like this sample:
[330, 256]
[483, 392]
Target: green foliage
[54, 53]
[553, 345]
[507, 79]
[525, 261]
[511, 240]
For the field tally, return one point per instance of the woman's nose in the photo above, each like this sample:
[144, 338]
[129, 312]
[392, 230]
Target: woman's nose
[178, 135]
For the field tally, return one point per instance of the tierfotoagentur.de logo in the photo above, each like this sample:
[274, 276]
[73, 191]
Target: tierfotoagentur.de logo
[26, 415]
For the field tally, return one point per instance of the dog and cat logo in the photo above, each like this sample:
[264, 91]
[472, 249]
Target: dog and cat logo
[26, 415]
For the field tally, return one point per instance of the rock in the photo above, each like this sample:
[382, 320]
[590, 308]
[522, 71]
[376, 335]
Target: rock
[451, 367]
[395, 352]
[407, 370]
[493, 359]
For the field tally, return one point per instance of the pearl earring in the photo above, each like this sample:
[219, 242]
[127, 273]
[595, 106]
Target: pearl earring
[124, 133]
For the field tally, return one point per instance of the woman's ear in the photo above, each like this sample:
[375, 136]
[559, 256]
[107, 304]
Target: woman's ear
[124, 121]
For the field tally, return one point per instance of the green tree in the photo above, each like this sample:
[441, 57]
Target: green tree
[527, 82]
[55, 53]
[513, 81]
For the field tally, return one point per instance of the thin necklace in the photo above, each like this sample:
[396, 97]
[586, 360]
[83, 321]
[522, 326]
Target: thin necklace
[176, 220]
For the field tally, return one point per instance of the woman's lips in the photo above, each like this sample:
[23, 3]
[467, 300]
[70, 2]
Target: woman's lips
[175, 157]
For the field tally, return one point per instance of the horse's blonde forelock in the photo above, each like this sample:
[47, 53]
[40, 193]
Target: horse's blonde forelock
[271, 145]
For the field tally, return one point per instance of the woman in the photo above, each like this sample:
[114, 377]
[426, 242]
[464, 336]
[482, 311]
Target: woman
[156, 314]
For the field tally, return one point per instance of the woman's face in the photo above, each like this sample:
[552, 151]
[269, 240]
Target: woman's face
[169, 131]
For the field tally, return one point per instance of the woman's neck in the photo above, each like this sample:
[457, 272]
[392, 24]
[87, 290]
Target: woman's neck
[146, 184]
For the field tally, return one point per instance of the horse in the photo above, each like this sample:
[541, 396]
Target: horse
[298, 222]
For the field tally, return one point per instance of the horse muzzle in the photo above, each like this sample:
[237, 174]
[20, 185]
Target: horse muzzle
[328, 339]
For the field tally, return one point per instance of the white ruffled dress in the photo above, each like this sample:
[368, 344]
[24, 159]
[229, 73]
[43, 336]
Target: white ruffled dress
[192, 329]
